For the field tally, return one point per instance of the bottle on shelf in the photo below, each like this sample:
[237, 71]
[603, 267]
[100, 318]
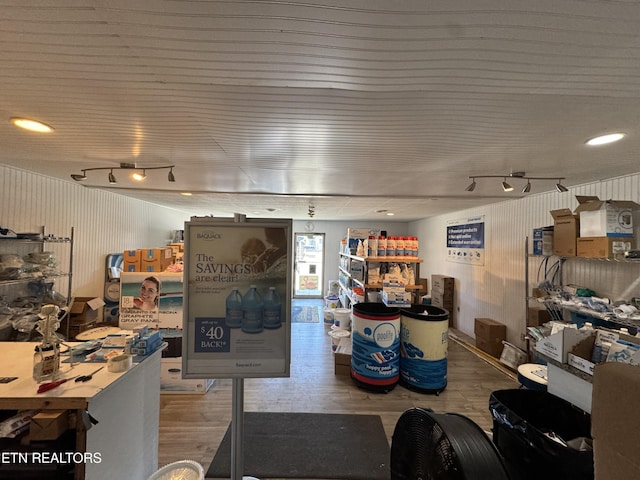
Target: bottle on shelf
[400, 247]
[372, 246]
[272, 309]
[233, 317]
[382, 246]
[391, 246]
[252, 307]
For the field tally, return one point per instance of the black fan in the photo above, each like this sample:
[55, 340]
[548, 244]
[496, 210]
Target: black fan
[430, 446]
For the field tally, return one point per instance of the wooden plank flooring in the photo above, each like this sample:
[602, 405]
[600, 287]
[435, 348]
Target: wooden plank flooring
[192, 426]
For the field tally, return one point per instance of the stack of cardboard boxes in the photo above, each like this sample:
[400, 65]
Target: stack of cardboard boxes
[596, 229]
[148, 259]
[442, 294]
[490, 335]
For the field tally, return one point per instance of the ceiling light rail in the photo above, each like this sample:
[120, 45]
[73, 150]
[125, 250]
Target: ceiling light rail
[139, 174]
[506, 187]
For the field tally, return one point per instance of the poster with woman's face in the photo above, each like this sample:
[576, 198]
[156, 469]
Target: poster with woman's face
[153, 299]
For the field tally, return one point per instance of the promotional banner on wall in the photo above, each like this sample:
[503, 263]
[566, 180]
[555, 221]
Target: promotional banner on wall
[465, 241]
[237, 298]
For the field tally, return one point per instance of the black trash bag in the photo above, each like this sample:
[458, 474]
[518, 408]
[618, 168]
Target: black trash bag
[531, 428]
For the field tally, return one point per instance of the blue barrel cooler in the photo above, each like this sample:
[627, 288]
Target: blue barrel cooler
[423, 348]
[375, 356]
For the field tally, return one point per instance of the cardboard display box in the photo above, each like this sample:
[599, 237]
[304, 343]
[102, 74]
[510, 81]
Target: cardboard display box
[606, 218]
[131, 261]
[543, 241]
[614, 429]
[604, 247]
[48, 424]
[558, 345]
[489, 336]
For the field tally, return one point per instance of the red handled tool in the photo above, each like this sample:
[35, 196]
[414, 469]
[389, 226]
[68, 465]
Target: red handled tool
[45, 387]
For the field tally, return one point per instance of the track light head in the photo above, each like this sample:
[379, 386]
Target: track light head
[137, 176]
[112, 178]
[505, 186]
[170, 176]
[472, 186]
[79, 177]
[561, 188]
[527, 187]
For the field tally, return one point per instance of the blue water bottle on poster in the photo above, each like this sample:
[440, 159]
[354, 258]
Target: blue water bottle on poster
[272, 309]
[252, 307]
[233, 318]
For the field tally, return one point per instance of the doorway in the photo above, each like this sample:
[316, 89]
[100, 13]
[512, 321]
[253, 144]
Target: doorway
[308, 265]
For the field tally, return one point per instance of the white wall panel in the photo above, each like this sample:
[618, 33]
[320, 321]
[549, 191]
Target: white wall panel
[497, 289]
[104, 222]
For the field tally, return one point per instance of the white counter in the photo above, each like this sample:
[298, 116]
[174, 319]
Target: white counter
[126, 406]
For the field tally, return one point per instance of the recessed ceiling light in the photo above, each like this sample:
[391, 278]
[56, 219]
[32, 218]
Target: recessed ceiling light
[32, 125]
[390, 214]
[604, 139]
[186, 194]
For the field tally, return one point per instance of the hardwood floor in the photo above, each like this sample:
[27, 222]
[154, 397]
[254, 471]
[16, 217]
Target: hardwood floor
[192, 426]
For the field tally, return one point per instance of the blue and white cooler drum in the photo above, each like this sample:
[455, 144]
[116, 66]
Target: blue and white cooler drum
[423, 348]
[375, 357]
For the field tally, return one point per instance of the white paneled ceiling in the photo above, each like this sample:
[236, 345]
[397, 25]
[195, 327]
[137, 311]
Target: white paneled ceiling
[267, 107]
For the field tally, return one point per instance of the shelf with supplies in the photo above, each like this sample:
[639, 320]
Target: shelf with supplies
[354, 271]
[35, 269]
[550, 299]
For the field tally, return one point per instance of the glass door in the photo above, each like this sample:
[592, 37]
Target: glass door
[308, 265]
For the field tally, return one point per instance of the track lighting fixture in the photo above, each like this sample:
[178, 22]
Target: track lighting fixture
[138, 174]
[312, 211]
[506, 187]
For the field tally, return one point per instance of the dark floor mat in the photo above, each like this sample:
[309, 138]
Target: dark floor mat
[308, 445]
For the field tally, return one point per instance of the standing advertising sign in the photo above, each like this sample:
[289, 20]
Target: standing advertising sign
[237, 305]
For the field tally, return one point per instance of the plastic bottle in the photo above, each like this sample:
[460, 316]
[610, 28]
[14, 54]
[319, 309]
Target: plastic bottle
[234, 314]
[372, 246]
[391, 246]
[272, 309]
[382, 246]
[252, 306]
[400, 247]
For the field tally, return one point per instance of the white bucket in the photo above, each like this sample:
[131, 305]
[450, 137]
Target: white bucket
[328, 315]
[337, 335]
[331, 301]
[342, 318]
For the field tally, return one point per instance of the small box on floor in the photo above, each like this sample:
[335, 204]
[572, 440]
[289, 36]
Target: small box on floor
[342, 357]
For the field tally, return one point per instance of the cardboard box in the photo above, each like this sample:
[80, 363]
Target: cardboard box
[614, 429]
[342, 357]
[442, 283]
[491, 346]
[424, 284]
[566, 226]
[131, 261]
[487, 328]
[543, 241]
[49, 424]
[155, 259]
[558, 345]
[443, 297]
[85, 309]
[537, 316]
[606, 218]
[604, 247]
[354, 236]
